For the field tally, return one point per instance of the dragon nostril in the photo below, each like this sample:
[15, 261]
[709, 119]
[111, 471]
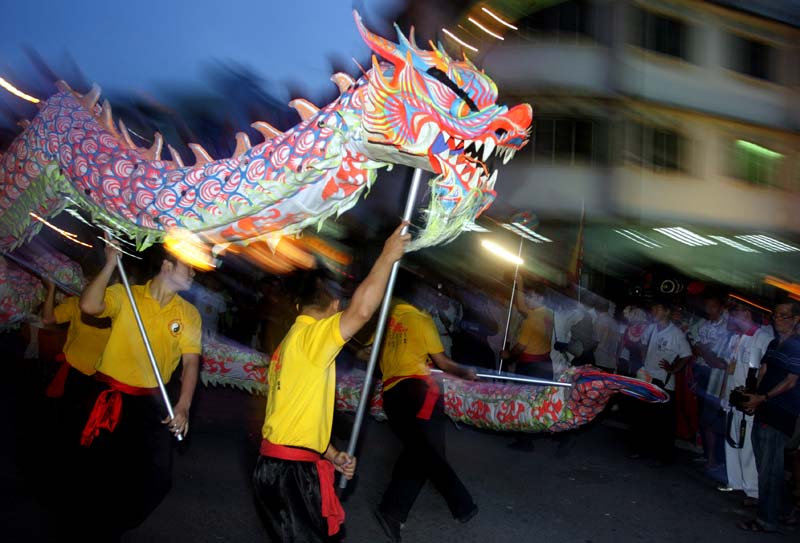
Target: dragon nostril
[501, 132]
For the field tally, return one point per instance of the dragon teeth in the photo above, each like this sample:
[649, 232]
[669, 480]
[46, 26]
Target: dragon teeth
[488, 147]
[446, 136]
[507, 156]
[476, 177]
[478, 145]
[492, 180]
[460, 168]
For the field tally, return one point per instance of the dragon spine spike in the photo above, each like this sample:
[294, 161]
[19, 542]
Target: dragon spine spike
[412, 38]
[126, 136]
[24, 123]
[267, 130]
[343, 81]
[107, 119]
[242, 144]
[63, 86]
[89, 100]
[176, 157]
[154, 152]
[201, 156]
[304, 108]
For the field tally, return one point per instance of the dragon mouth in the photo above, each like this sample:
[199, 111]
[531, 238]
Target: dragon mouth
[471, 161]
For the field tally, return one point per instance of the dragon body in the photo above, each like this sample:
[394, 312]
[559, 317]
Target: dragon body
[414, 107]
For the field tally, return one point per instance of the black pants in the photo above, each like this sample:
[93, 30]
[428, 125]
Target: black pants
[123, 475]
[540, 370]
[654, 429]
[423, 454]
[289, 495]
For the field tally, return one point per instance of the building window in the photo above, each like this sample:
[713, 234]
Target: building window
[753, 58]
[659, 33]
[570, 141]
[755, 164]
[564, 22]
[657, 149]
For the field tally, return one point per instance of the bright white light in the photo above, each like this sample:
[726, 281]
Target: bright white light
[479, 25]
[687, 237]
[502, 253]
[525, 229]
[768, 243]
[16, 92]
[474, 227]
[638, 238]
[734, 244]
[498, 19]
[465, 44]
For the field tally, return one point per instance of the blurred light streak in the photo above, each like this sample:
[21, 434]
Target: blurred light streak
[473, 227]
[498, 19]
[189, 249]
[479, 25]
[749, 302]
[69, 235]
[465, 44]
[502, 253]
[763, 151]
[520, 233]
[16, 92]
[792, 288]
[768, 243]
[638, 238]
[523, 228]
[734, 244]
[687, 237]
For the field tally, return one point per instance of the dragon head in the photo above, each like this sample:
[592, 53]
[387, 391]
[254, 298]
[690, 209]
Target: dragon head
[426, 110]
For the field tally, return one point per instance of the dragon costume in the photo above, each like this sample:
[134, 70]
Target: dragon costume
[414, 107]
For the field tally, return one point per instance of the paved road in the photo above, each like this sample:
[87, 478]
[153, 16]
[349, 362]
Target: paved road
[593, 495]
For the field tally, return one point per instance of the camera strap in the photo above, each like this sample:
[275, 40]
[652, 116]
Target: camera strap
[742, 430]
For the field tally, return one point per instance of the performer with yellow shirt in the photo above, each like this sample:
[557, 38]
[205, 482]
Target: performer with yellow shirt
[414, 407]
[86, 339]
[129, 451]
[294, 475]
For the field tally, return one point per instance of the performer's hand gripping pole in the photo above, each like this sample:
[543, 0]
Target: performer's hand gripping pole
[383, 316]
[143, 332]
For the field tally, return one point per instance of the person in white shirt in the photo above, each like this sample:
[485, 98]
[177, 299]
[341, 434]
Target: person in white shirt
[745, 350]
[667, 353]
[606, 332]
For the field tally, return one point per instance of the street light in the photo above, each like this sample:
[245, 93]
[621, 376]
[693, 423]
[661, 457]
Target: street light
[503, 253]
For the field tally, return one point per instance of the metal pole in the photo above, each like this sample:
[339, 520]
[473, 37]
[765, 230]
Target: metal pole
[143, 332]
[511, 304]
[529, 380]
[383, 316]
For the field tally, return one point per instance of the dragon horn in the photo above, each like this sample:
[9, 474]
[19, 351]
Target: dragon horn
[266, 130]
[343, 81]
[242, 144]
[411, 37]
[380, 46]
[305, 108]
[201, 156]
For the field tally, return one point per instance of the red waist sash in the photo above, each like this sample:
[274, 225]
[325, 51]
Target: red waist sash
[431, 396]
[332, 508]
[527, 358]
[107, 408]
[56, 387]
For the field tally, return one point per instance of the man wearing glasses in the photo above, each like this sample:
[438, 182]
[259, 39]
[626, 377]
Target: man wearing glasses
[776, 405]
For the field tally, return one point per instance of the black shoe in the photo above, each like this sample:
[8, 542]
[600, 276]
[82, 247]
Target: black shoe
[466, 517]
[390, 526]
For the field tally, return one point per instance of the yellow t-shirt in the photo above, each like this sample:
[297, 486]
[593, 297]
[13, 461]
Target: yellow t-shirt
[533, 334]
[173, 330]
[411, 336]
[85, 341]
[302, 384]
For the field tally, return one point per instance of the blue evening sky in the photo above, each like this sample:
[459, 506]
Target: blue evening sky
[152, 45]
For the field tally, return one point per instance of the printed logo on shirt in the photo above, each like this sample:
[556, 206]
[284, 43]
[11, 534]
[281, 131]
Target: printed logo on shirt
[175, 327]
